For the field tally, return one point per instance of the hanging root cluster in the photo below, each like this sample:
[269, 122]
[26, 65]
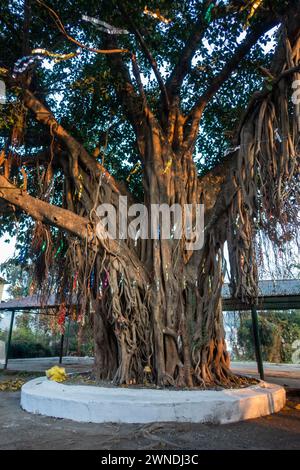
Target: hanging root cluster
[266, 180]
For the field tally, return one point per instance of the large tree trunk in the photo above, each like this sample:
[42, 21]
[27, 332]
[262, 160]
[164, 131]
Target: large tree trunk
[169, 331]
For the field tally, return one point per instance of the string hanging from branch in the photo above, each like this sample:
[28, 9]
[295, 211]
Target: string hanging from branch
[62, 29]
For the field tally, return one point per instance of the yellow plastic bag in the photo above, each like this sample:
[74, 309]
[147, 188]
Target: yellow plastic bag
[57, 374]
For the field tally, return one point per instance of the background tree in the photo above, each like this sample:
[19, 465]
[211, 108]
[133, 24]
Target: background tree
[17, 278]
[171, 95]
[278, 331]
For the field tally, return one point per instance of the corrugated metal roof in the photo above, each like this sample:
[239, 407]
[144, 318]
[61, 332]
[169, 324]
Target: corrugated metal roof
[29, 303]
[282, 293]
[285, 287]
[273, 295]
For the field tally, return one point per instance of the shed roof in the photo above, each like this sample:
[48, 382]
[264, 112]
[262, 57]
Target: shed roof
[283, 294]
[33, 302]
[277, 295]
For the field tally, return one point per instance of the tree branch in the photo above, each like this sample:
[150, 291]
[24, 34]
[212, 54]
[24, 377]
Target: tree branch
[44, 116]
[183, 65]
[69, 221]
[62, 29]
[148, 55]
[42, 211]
[240, 53]
[134, 105]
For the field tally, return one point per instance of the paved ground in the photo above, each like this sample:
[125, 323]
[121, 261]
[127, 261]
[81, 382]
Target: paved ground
[40, 364]
[21, 430]
[287, 375]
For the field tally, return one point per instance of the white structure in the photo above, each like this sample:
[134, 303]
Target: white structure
[2, 352]
[2, 343]
[2, 284]
[136, 405]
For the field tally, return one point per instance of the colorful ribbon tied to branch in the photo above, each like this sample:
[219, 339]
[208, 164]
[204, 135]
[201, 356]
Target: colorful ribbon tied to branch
[75, 281]
[156, 14]
[105, 282]
[43, 247]
[53, 55]
[253, 5]
[208, 13]
[80, 187]
[167, 167]
[103, 26]
[59, 249]
[38, 55]
[62, 317]
[25, 62]
[134, 170]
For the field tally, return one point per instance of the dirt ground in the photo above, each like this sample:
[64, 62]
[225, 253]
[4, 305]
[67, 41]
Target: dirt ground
[21, 430]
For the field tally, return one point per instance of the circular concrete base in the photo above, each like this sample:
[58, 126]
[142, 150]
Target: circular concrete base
[131, 405]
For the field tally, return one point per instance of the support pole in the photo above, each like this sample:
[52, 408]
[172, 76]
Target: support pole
[61, 348]
[257, 344]
[9, 338]
[68, 337]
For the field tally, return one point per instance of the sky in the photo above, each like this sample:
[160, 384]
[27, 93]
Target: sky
[6, 251]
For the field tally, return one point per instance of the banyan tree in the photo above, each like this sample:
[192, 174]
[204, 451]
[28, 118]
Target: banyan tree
[191, 102]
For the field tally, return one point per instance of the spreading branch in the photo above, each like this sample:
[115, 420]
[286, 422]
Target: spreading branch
[68, 221]
[148, 55]
[240, 53]
[133, 104]
[44, 116]
[43, 211]
[183, 65]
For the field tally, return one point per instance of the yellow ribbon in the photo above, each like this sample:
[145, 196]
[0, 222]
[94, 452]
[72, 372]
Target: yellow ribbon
[80, 187]
[57, 57]
[167, 167]
[134, 170]
[254, 5]
[156, 14]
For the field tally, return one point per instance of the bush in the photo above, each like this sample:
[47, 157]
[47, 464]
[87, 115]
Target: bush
[26, 349]
[26, 344]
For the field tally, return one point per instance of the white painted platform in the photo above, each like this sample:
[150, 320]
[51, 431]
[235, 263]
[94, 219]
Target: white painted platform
[123, 405]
